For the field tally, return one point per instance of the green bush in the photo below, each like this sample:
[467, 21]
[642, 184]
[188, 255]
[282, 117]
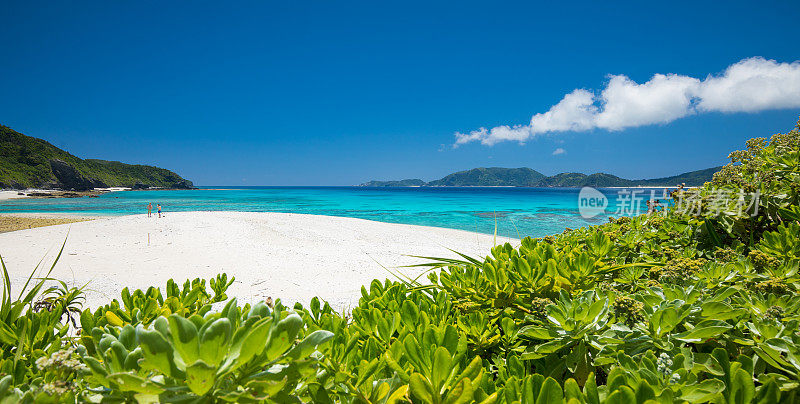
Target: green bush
[234, 355]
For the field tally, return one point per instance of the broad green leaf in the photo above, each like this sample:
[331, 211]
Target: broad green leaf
[551, 346]
[409, 313]
[397, 396]
[214, 341]
[94, 365]
[114, 319]
[115, 357]
[127, 336]
[742, 388]
[441, 367]
[269, 387]
[550, 392]
[414, 354]
[200, 377]
[721, 311]
[572, 390]
[87, 320]
[703, 391]
[420, 388]
[769, 393]
[644, 392]
[184, 338]
[535, 332]
[309, 344]
[590, 390]
[157, 352]
[131, 382]
[282, 336]
[461, 393]
[704, 330]
[622, 395]
[473, 369]
[248, 343]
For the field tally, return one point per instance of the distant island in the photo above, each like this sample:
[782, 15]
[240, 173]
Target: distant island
[527, 177]
[28, 162]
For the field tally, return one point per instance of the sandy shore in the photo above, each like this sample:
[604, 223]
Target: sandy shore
[281, 255]
[4, 195]
[15, 222]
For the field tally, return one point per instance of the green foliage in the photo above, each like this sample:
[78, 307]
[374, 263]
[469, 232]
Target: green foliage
[34, 333]
[235, 355]
[670, 307]
[31, 325]
[492, 176]
[143, 307]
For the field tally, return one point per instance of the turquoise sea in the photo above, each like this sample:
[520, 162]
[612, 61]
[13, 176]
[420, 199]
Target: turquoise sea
[516, 212]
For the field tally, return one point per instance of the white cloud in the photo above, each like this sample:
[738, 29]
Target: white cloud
[559, 151]
[575, 112]
[663, 99]
[750, 85]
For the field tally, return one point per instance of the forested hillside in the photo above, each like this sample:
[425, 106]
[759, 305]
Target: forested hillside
[28, 162]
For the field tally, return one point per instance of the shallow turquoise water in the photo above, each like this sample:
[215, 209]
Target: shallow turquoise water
[517, 212]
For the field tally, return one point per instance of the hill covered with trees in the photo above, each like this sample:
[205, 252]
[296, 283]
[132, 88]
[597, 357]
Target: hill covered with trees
[527, 177]
[28, 162]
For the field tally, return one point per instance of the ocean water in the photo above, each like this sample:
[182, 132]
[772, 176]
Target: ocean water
[514, 212]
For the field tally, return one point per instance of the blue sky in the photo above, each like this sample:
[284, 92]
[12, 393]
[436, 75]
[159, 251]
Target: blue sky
[337, 93]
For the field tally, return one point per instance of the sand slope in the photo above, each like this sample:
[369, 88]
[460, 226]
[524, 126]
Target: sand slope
[289, 256]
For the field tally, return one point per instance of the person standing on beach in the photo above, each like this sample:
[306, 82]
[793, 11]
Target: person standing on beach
[149, 209]
[158, 206]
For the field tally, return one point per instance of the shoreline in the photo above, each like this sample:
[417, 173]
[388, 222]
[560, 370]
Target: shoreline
[54, 215]
[37, 193]
[280, 255]
[40, 193]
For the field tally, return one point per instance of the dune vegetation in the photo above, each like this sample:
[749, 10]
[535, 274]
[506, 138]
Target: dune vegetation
[696, 302]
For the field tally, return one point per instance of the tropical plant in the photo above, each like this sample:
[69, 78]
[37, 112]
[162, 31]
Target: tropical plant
[235, 355]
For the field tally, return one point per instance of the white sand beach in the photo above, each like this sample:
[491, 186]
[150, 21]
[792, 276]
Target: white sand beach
[6, 194]
[280, 255]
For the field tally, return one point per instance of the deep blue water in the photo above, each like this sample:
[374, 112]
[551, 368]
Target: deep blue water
[516, 212]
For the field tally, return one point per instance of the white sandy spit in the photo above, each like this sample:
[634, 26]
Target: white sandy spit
[4, 195]
[289, 256]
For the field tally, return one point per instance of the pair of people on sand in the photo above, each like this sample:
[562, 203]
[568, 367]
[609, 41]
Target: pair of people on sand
[150, 209]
